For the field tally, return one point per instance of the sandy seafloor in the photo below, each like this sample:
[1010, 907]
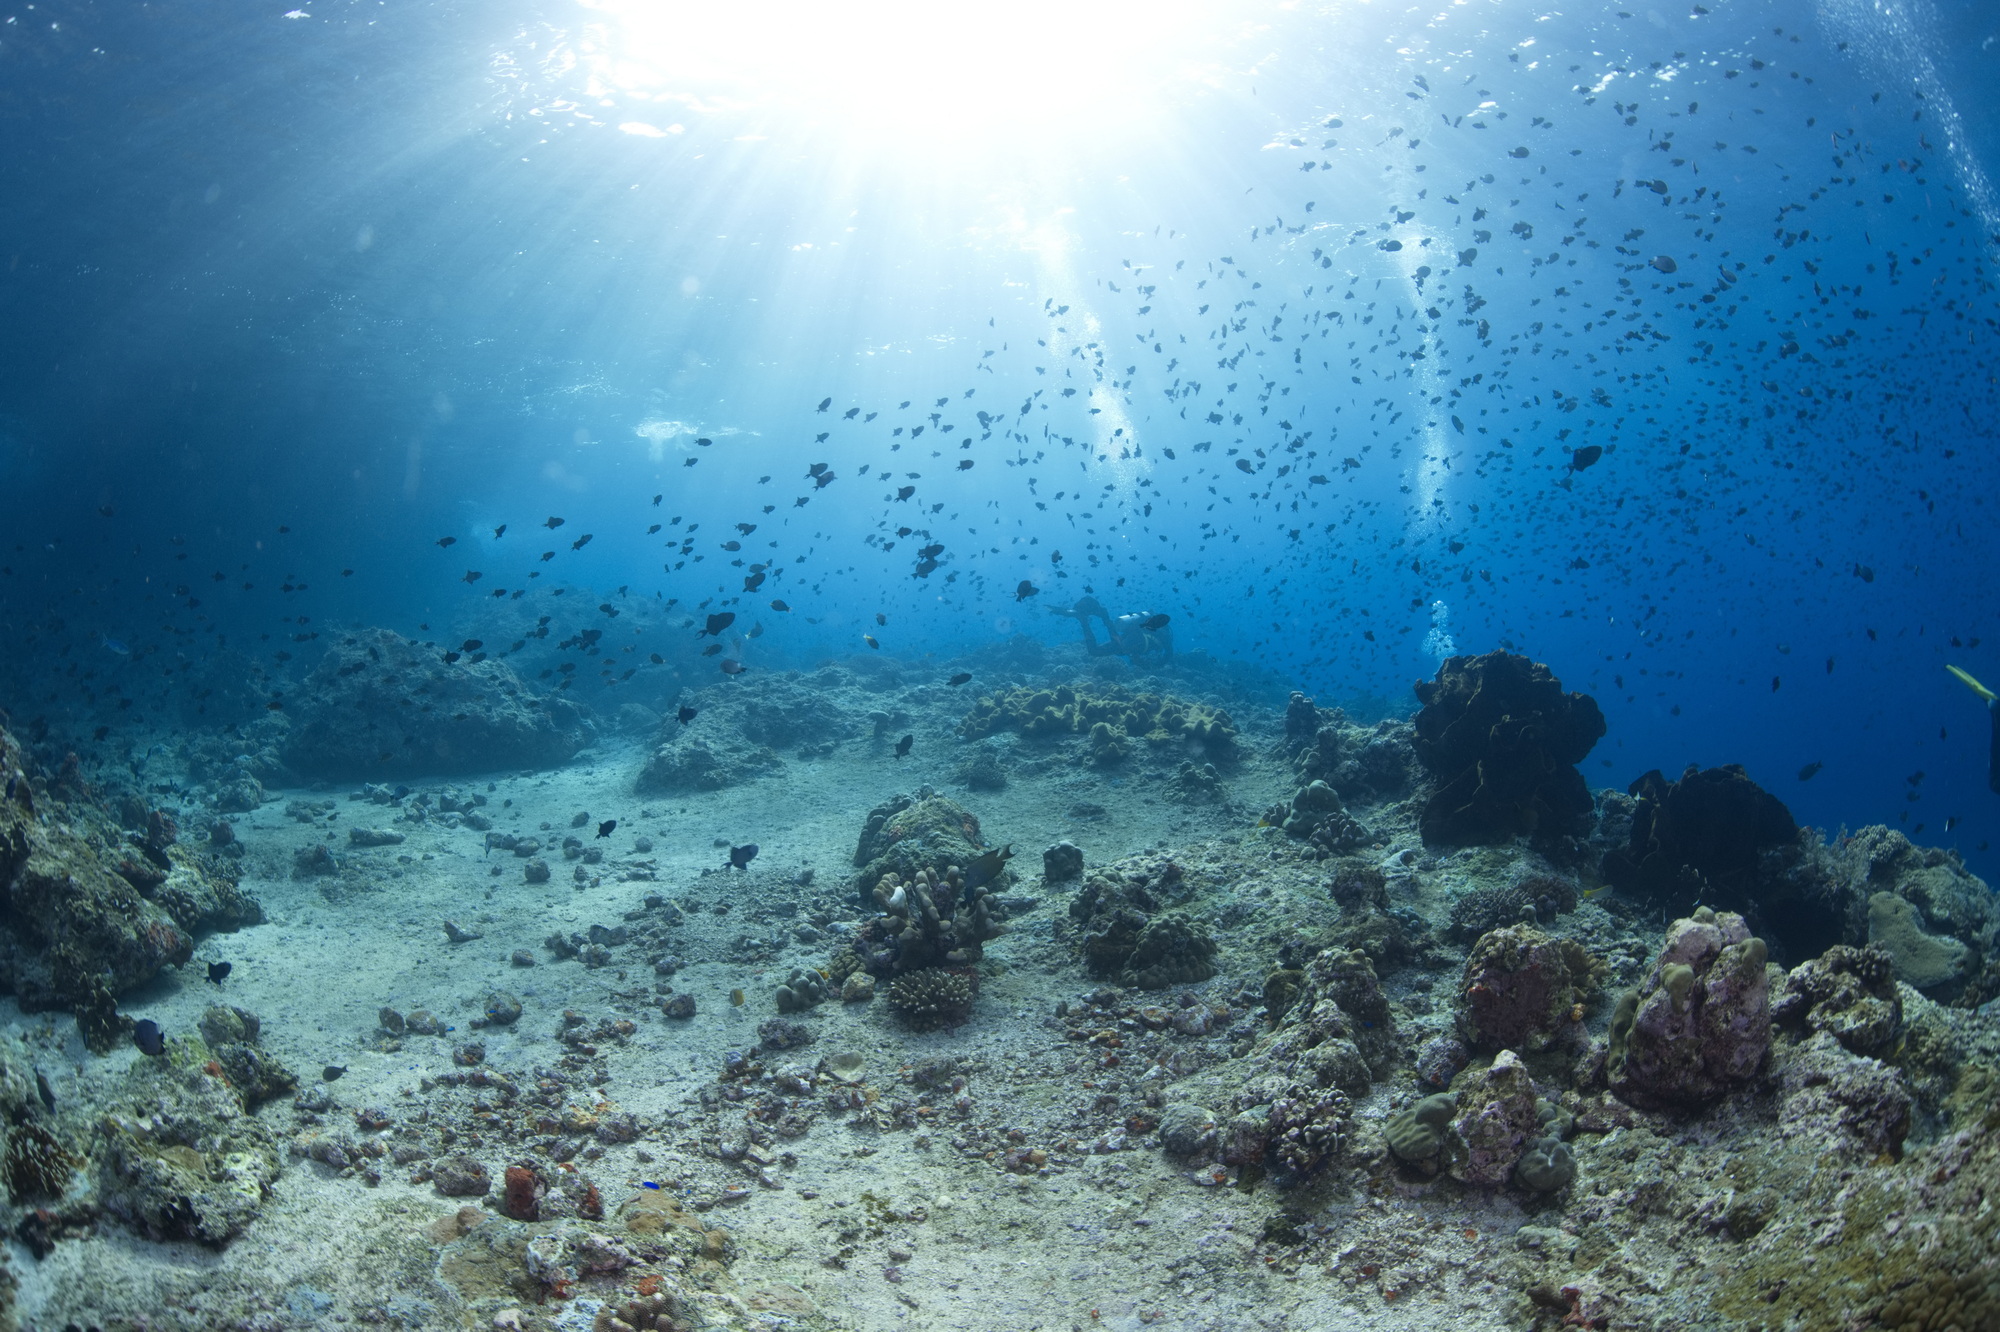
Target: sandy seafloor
[849, 1225]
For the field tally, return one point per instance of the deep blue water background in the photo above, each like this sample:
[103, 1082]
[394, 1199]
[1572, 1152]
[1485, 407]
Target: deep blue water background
[378, 275]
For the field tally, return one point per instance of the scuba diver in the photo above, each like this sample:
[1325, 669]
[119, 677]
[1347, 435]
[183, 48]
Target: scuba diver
[1133, 636]
[1993, 711]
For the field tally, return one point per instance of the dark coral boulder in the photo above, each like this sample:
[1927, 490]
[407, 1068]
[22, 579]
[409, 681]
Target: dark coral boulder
[1502, 738]
[1713, 837]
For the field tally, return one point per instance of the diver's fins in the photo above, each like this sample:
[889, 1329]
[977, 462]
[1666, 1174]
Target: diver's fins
[1974, 685]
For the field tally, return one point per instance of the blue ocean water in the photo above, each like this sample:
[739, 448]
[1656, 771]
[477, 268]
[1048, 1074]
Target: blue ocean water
[1657, 344]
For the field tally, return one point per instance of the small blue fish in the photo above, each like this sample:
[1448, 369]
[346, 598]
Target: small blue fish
[147, 1036]
[647, 1183]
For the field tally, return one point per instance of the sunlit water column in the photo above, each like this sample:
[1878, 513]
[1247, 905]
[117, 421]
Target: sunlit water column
[1897, 37]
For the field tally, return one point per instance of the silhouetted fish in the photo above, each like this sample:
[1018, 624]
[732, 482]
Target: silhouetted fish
[606, 828]
[903, 745]
[961, 678]
[147, 1036]
[717, 623]
[332, 1072]
[987, 867]
[741, 856]
[217, 971]
[686, 715]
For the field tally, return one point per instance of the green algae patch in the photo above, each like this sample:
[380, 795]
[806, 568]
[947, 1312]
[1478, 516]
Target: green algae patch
[1111, 716]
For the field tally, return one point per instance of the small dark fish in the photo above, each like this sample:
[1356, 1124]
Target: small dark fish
[218, 971]
[780, 607]
[731, 666]
[47, 1093]
[399, 793]
[903, 745]
[741, 856]
[332, 1072]
[824, 403]
[500, 531]
[553, 523]
[471, 645]
[606, 828]
[472, 576]
[1152, 624]
[987, 867]
[100, 733]
[580, 542]
[13, 785]
[686, 714]
[1664, 263]
[1025, 589]
[1810, 771]
[451, 658]
[962, 677]
[147, 1036]
[1584, 457]
[717, 623]
[880, 618]
[275, 705]
[445, 542]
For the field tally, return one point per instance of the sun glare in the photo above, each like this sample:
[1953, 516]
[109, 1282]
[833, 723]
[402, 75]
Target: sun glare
[902, 70]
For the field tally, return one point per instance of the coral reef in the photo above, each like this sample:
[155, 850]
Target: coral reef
[801, 990]
[1417, 1133]
[178, 1157]
[692, 763]
[1848, 993]
[932, 920]
[906, 835]
[1547, 1165]
[1841, 1102]
[1363, 764]
[1497, 1119]
[932, 998]
[379, 705]
[1538, 898]
[1703, 838]
[1503, 741]
[87, 911]
[1062, 862]
[1521, 989]
[1111, 716]
[1129, 935]
[1700, 1024]
[1944, 942]
[1924, 960]
[1314, 814]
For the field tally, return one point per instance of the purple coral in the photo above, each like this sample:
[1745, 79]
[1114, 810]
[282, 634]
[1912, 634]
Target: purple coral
[1843, 1102]
[1701, 1023]
[1496, 1121]
[1308, 1127]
